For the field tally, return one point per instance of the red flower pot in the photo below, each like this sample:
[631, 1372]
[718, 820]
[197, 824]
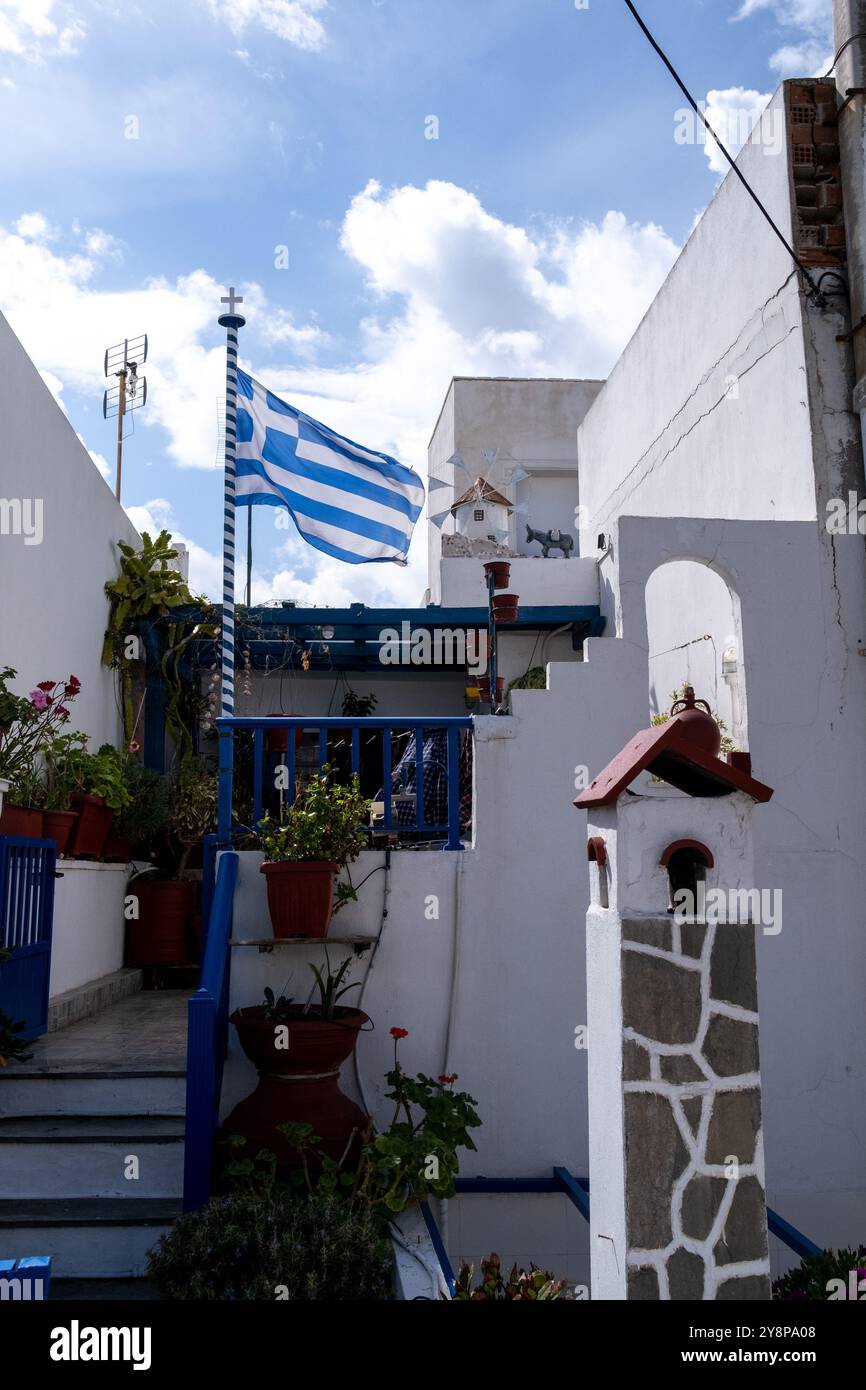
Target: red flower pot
[484, 687]
[158, 936]
[277, 740]
[21, 820]
[300, 896]
[298, 1083]
[316, 1045]
[505, 608]
[501, 571]
[92, 827]
[59, 826]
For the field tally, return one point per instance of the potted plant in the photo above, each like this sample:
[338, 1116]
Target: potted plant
[158, 936]
[62, 773]
[100, 795]
[307, 1043]
[27, 726]
[536, 1285]
[320, 836]
[143, 824]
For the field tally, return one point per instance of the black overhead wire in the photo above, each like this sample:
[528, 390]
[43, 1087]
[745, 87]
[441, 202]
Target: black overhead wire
[815, 291]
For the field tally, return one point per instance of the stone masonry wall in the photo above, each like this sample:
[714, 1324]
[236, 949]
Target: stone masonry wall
[695, 1208]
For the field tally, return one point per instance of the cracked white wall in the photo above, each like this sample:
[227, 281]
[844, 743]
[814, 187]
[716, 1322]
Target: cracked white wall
[732, 401]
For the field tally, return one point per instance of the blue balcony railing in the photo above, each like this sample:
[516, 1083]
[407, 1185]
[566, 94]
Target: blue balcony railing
[424, 759]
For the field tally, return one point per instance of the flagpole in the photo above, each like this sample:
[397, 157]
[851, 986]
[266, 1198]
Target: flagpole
[249, 587]
[231, 322]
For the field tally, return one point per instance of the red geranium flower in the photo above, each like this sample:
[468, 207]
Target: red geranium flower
[45, 685]
[399, 1032]
[446, 1080]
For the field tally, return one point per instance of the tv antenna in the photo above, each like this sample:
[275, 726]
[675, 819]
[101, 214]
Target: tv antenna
[122, 362]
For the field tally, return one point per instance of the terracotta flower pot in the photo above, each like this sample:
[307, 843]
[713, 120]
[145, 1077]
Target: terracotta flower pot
[505, 608]
[59, 826]
[484, 685]
[21, 820]
[92, 827]
[298, 1083]
[501, 571]
[316, 1045]
[158, 936]
[300, 896]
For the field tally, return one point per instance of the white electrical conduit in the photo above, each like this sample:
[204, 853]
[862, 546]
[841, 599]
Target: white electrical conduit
[452, 1012]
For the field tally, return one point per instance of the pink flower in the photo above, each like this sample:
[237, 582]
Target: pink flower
[39, 700]
[63, 712]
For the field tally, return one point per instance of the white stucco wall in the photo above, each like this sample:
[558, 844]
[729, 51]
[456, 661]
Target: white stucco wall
[53, 608]
[88, 933]
[533, 423]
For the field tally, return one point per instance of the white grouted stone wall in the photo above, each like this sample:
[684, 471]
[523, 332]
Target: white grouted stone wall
[53, 609]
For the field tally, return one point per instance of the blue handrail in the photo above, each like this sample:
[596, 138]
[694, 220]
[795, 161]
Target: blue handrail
[416, 727]
[207, 1038]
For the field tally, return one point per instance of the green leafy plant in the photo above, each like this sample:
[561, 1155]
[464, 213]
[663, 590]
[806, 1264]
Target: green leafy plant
[148, 590]
[358, 706]
[329, 983]
[324, 823]
[533, 679]
[274, 1246]
[65, 759]
[12, 706]
[192, 807]
[277, 1009]
[145, 818]
[520, 1285]
[103, 774]
[810, 1280]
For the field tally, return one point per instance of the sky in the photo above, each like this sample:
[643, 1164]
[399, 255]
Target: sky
[402, 190]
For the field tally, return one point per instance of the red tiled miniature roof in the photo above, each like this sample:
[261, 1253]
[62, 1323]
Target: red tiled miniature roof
[668, 752]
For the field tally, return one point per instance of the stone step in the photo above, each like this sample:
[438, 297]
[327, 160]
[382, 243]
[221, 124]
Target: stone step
[87, 1237]
[73, 1005]
[43, 1156]
[91, 1091]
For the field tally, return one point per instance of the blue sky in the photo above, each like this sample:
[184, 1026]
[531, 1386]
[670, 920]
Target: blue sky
[154, 152]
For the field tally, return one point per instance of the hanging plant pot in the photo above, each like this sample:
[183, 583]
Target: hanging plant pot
[501, 571]
[300, 896]
[21, 820]
[158, 936]
[92, 827]
[59, 826]
[484, 684]
[505, 608]
[298, 1082]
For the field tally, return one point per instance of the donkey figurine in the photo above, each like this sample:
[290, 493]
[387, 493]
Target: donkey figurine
[551, 540]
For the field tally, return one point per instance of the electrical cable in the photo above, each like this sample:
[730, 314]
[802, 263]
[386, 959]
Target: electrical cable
[846, 44]
[816, 294]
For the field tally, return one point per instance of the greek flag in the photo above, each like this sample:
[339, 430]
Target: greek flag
[349, 501]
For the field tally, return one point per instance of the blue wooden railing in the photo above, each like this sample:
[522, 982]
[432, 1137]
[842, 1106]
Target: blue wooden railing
[353, 731]
[207, 1040]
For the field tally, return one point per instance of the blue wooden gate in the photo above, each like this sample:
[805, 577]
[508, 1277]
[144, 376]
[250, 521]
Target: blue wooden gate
[26, 920]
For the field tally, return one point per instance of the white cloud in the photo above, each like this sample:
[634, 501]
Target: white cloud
[205, 568]
[292, 20]
[35, 226]
[36, 29]
[733, 115]
[99, 459]
[809, 55]
[454, 290]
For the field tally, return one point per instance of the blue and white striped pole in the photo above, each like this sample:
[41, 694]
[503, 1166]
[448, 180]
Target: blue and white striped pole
[231, 322]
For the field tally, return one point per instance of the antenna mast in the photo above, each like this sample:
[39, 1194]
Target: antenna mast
[123, 361]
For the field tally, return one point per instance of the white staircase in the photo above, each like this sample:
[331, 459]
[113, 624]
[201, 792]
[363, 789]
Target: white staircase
[91, 1140]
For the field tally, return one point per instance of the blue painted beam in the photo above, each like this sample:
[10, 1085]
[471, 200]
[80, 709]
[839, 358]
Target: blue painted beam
[790, 1236]
[358, 622]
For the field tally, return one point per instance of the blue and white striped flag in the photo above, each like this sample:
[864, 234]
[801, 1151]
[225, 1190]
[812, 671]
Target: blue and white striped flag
[351, 502]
